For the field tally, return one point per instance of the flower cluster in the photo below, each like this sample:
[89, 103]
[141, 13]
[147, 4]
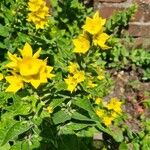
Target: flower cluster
[108, 112]
[39, 13]
[27, 68]
[76, 76]
[92, 29]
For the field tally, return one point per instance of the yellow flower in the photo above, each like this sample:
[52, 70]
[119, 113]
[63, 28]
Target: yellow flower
[47, 71]
[107, 120]
[114, 115]
[14, 61]
[72, 83]
[72, 68]
[81, 44]
[98, 101]
[27, 51]
[91, 84]
[1, 76]
[115, 105]
[39, 78]
[100, 40]
[39, 13]
[29, 67]
[16, 83]
[101, 73]
[49, 109]
[100, 112]
[95, 24]
[101, 77]
[79, 76]
[76, 77]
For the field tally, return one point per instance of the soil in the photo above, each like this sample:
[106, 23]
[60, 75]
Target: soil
[134, 92]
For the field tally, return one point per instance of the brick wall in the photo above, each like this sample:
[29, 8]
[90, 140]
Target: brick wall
[139, 27]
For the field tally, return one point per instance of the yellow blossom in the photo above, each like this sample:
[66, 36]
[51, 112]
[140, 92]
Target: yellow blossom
[95, 24]
[49, 109]
[75, 77]
[101, 73]
[79, 76]
[114, 115]
[29, 67]
[91, 84]
[39, 13]
[100, 40]
[100, 112]
[14, 61]
[107, 120]
[81, 44]
[1, 76]
[72, 83]
[98, 101]
[115, 105]
[72, 68]
[101, 77]
[16, 83]
[41, 77]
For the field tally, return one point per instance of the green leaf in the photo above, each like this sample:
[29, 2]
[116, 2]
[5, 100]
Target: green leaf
[136, 146]
[60, 117]
[5, 147]
[79, 116]
[21, 145]
[15, 130]
[17, 146]
[84, 104]
[68, 142]
[101, 128]
[117, 134]
[78, 126]
[4, 31]
[2, 45]
[123, 146]
[56, 102]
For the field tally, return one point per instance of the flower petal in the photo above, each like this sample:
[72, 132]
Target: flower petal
[27, 50]
[37, 54]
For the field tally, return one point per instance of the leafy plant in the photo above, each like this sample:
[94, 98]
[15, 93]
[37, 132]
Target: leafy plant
[54, 83]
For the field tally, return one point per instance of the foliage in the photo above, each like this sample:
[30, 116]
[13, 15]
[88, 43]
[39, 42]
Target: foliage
[120, 20]
[54, 84]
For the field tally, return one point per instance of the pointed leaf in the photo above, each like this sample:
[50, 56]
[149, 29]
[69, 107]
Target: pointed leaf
[60, 117]
[15, 130]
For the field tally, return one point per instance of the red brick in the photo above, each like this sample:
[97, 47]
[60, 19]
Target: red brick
[147, 16]
[142, 1]
[139, 30]
[141, 42]
[138, 42]
[112, 1]
[106, 12]
[144, 5]
[138, 16]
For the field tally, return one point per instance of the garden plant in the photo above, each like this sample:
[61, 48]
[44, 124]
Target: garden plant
[68, 81]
